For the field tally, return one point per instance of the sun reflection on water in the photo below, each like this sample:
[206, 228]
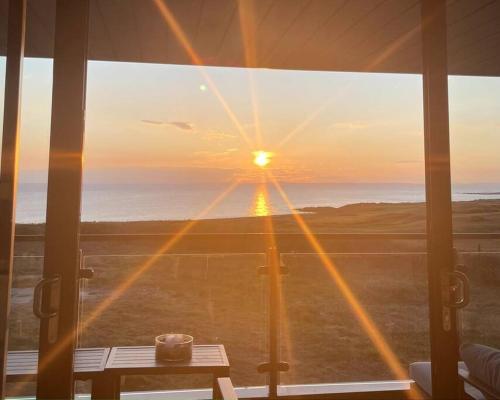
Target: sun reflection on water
[261, 206]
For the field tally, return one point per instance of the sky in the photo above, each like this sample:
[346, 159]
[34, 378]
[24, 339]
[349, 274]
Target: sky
[165, 123]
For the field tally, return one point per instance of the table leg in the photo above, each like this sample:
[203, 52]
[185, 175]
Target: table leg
[216, 393]
[106, 386]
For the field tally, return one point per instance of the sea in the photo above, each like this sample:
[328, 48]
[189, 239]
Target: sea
[145, 202]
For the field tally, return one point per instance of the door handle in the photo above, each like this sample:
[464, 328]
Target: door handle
[459, 290]
[37, 297]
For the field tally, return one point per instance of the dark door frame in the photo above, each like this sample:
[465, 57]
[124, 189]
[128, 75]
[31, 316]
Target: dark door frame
[61, 270]
[8, 175]
[440, 258]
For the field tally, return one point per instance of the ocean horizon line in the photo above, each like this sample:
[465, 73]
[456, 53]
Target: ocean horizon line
[176, 202]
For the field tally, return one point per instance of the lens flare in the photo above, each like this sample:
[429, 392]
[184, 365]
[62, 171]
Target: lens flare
[262, 158]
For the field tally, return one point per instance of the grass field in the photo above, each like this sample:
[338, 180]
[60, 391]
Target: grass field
[222, 299]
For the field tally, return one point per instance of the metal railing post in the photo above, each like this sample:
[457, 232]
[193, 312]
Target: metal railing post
[274, 366]
[272, 262]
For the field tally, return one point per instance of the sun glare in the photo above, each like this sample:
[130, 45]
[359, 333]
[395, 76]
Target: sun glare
[262, 158]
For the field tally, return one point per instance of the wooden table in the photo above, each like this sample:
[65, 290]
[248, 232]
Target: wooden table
[140, 360]
[22, 366]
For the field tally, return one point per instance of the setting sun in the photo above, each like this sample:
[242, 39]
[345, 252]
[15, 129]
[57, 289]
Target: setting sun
[262, 158]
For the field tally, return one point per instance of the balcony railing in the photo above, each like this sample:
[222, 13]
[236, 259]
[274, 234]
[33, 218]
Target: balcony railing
[223, 297]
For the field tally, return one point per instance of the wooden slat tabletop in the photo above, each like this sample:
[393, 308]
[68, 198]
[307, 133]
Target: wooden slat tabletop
[23, 365]
[141, 360]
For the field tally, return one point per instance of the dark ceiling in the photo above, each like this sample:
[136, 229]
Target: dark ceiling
[339, 35]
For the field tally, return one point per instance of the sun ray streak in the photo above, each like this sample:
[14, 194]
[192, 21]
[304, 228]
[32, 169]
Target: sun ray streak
[312, 116]
[177, 30]
[384, 55]
[392, 48]
[255, 109]
[127, 283]
[246, 11]
[165, 247]
[363, 318]
[271, 243]
[300, 127]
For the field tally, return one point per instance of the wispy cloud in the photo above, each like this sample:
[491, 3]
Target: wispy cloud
[182, 125]
[187, 126]
[152, 122]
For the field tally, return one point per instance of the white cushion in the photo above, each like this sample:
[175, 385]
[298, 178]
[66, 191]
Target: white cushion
[483, 363]
[420, 372]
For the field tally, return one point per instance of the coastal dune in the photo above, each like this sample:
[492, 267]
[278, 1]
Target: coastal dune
[221, 298]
